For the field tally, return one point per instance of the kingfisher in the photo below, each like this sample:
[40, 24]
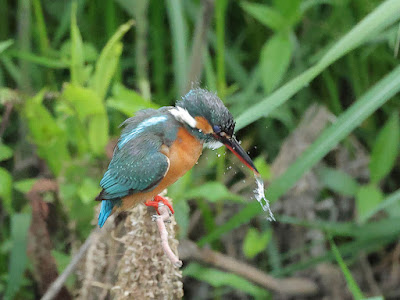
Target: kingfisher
[157, 147]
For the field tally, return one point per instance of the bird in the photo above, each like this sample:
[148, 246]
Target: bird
[158, 146]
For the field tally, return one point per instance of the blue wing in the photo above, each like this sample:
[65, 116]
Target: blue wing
[137, 164]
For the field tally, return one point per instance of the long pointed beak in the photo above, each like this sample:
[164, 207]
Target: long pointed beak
[233, 145]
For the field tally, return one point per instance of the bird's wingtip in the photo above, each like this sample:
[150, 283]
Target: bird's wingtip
[105, 211]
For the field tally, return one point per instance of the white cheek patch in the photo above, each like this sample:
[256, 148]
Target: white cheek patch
[183, 116]
[213, 145]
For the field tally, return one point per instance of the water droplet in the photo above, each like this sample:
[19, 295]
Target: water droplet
[260, 196]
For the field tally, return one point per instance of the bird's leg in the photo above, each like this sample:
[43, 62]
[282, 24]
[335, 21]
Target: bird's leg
[158, 200]
[163, 217]
[164, 210]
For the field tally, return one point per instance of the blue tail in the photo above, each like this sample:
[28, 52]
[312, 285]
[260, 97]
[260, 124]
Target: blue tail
[105, 211]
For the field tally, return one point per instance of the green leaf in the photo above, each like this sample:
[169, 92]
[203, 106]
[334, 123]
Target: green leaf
[368, 199]
[88, 190]
[90, 52]
[5, 152]
[108, 61]
[391, 204]
[379, 94]
[6, 190]
[128, 101]
[385, 149]
[255, 242]
[5, 44]
[274, 61]
[24, 186]
[18, 259]
[98, 133]
[218, 278]
[86, 102]
[77, 58]
[351, 283]
[383, 16]
[49, 138]
[265, 15]
[213, 192]
[290, 10]
[338, 181]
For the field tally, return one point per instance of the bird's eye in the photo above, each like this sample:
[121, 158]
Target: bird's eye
[217, 129]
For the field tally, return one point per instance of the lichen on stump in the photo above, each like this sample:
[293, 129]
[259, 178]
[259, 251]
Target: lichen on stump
[138, 268]
[145, 272]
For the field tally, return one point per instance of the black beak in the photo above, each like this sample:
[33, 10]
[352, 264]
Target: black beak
[233, 145]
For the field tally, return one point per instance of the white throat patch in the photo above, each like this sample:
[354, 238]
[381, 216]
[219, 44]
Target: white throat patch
[213, 145]
[183, 116]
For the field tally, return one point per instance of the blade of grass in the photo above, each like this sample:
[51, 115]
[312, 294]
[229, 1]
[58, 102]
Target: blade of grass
[18, 259]
[387, 202]
[158, 37]
[351, 283]
[220, 11]
[349, 229]
[351, 249]
[330, 137]
[24, 43]
[376, 21]
[5, 44]
[233, 65]
[12, 69]
[77, 59]
[64, 24]
[108, 59]
[139, 11]
[142, 64]
[41, 27]
[199, 44]
[179, 42]
[40, 60]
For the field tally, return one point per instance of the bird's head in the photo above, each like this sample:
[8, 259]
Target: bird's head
[207, 118]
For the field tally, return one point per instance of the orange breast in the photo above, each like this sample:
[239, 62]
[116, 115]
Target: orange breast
[183, 155]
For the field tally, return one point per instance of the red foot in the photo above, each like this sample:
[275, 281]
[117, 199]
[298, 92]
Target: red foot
[157, 200]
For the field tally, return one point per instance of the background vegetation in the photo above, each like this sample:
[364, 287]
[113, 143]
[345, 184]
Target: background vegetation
[71, 72]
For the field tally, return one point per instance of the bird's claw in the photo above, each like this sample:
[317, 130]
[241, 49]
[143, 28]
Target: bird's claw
[167, 219]
[158, 202]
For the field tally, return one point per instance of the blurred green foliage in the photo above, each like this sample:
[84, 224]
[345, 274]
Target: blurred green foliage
[72, 71]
